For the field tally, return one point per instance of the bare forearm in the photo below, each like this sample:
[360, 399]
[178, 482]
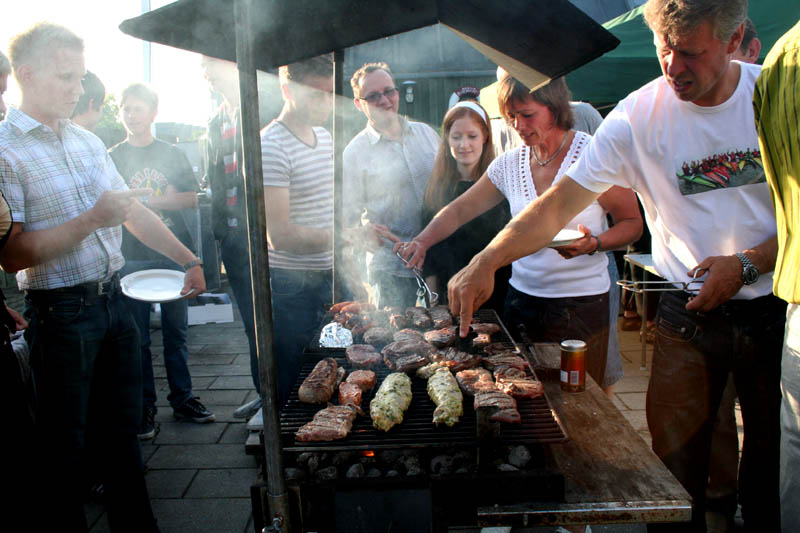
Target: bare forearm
[25, 249]
[764, 255]
[444, 224]
[620, 235]
[148, 228]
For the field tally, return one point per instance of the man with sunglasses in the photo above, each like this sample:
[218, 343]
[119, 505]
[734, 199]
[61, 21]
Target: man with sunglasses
[386, 170]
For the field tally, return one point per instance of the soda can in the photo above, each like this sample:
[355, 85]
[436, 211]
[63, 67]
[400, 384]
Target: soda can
[573, 366]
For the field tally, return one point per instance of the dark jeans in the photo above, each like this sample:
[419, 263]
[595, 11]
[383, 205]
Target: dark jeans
[694, 352]
[299, 301]
[85, 358]
[556, 319]
[174, 330]
[236, 258]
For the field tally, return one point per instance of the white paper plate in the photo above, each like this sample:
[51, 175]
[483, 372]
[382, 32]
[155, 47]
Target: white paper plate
[565, 237]
[156, 285]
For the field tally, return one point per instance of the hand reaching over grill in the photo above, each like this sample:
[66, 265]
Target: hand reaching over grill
[468, 290]
[413, 252]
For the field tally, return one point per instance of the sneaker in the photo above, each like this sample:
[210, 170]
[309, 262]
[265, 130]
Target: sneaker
[248, 410]
[195, 411]
[148, 428]
[256, 423]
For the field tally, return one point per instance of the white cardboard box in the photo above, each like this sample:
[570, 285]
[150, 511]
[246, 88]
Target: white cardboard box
[210, 307]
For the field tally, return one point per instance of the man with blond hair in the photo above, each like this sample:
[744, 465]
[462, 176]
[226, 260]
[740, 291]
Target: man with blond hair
[386, 171]
[687, 144]
[68, 202]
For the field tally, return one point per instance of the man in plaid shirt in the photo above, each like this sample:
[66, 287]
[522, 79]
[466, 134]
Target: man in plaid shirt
[68, 201]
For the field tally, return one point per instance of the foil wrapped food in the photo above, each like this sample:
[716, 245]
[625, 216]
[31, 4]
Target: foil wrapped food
[335, 335]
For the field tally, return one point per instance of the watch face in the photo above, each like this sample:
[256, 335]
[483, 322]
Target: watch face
[750, 275]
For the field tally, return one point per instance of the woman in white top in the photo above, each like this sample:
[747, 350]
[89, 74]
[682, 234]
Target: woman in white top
[551, 298]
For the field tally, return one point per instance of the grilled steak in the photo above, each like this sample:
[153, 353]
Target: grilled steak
[365, 379]
[515, 382]
[440, 316]
[419, 317]
[350, 394]
[474, 380]
[397, 317]
[497, 347]
[503, 406]
[479, 327]
[377, 336]
[408, 334]
[505, 359]
[444, 392]
[391, 401]
[358, 324]
[481, 340]
[443, 337]
[405, 362]
[319, 385]
[457, 360]
[409, 346]
[362, 355]
[333, 422]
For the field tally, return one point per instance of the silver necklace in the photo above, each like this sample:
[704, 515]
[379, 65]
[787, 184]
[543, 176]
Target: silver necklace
[558, 150]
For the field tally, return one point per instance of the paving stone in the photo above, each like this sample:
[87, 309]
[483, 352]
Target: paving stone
[633, 400]
[632, 384]
[232, 382]
[619, 404]
[222, 483]
[168, 483]
[201, 382]
[211, 358]
[637, 419]
[227, 348]
[220, 370]
[200, 456]
[202, 515]
[186, 432]
[235, 433]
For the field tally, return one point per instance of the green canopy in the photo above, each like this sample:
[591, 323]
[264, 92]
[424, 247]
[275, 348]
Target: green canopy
[633, 63]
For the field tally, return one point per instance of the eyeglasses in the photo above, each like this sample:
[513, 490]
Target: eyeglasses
[374, 98]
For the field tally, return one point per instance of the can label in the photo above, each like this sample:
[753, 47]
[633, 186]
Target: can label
[573, 366]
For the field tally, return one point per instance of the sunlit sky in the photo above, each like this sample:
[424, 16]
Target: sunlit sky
[117, 58]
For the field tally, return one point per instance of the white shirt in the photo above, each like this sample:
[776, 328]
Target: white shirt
[656, 144]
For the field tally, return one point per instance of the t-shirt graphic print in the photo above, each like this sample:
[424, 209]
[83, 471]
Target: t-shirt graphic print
[721, 171]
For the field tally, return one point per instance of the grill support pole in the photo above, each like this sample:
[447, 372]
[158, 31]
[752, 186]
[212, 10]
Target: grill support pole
[277, 501]
[338, 149]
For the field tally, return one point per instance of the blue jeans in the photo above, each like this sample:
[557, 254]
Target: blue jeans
[614, 370]
[299, 301]
[174, 330]
[236, 258]
[85, 356]
[790, 423]
[694, 352]
[557, 319]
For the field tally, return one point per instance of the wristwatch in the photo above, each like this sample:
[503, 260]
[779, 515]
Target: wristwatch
[750, 273]
[193, 263]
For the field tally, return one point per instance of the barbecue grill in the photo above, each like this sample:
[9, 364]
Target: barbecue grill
[404, 502]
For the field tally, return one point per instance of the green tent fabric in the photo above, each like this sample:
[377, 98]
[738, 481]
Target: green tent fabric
[633, 63]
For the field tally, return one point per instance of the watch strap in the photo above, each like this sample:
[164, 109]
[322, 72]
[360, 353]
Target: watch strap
[750, 273]
[193, 263]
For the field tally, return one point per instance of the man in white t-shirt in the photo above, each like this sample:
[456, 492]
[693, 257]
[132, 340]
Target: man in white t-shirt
[686, 143]
[297, 154]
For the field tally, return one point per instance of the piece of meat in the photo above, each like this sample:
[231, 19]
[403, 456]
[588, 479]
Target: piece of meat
[517, 383]
[391, 401]
[397, 317]
[418, 346]
[474, 380]
[355, 308]
[358, 324]
[497, 347]
[332, 423]
[408, 334]
[481, 340]
[405, 362]
[443, 337]
[502, 406]
[505, 359]
[318, 387]
[337, 307]
[350, 394]
[481, 327]
[419, 317]
[365, 379]
[362, 355]
[457, 360]
[378, 336]
[444, 392]
[440, 316]
[341, 318]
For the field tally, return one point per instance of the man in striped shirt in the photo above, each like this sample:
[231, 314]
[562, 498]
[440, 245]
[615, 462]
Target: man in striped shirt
[297, 156]
[777, 107]
[68, 201]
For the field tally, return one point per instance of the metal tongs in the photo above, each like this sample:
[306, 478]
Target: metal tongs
[639, 287]
[423, 291]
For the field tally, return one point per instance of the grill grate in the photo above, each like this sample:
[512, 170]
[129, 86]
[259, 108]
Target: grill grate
[417, 430]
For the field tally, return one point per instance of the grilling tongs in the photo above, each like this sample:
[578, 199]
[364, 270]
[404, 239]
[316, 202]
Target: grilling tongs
[423, 291]
[693, 285]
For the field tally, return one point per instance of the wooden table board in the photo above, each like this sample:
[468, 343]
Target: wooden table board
[611, 474]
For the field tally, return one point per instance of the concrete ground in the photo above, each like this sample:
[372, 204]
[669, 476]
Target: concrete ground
[199, 476]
